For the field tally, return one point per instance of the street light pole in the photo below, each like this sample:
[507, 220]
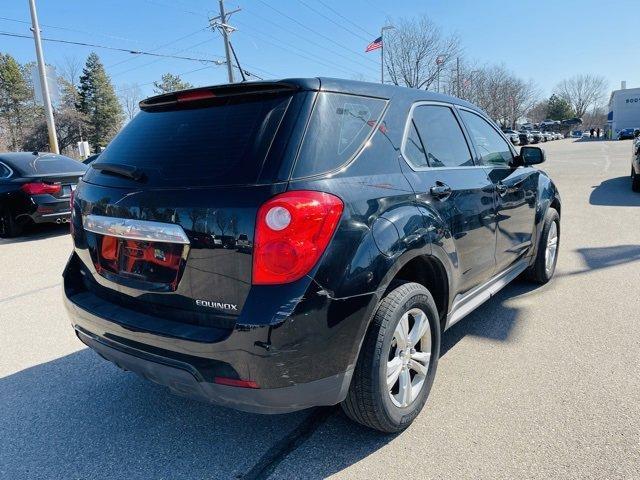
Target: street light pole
[388, 27]
[46, 98]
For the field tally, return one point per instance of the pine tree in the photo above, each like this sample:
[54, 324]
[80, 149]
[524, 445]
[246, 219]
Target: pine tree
[15, 95]
[98, 101]
[170, 83]
[559, 109]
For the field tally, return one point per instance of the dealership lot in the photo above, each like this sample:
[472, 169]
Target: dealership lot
[537, 383]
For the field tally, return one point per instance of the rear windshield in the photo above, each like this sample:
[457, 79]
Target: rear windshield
[214, 145]
[49, 165]
[339, 126]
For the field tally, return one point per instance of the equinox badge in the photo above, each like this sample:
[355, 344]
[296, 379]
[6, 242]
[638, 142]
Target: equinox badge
[219, 305]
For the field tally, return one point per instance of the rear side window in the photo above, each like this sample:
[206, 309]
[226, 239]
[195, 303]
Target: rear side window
[441, 136]
[492, 148]
[224, 144]
[338, 127]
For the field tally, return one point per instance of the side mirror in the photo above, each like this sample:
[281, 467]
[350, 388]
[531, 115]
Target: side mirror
[531, 156]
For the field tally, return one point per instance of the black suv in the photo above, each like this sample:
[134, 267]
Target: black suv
[274, 246]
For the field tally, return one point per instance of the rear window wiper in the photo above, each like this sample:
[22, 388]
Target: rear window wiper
[127, 171]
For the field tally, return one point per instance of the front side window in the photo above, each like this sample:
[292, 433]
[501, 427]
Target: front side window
[339, 126]
[492, 148]
[442, 137]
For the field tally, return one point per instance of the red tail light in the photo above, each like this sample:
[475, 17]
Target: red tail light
[235, 382]
[192, 96]
[39, 188]
[293, 230]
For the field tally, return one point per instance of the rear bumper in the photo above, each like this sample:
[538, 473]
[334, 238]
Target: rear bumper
[183, 379]
[48, 209]
[303, 361]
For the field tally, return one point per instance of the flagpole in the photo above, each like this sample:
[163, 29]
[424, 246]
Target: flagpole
[382, 55]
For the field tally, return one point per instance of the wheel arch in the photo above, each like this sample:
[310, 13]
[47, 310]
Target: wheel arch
[427, 270]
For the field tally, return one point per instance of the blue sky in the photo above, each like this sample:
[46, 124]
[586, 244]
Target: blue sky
[541, 40]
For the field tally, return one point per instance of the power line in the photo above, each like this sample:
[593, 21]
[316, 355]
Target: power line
[161, 4]
[304, 54]
[126, 50]
[319, 12]
[158, 59]
[114, 37]
[312, 42]
[329, 39]
[161, 46]
[346, 19]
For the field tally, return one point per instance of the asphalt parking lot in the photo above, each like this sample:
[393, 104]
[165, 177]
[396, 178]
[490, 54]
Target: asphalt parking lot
[537, 383]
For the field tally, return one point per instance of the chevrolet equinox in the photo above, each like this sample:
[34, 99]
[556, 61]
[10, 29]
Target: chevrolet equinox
[274, 246]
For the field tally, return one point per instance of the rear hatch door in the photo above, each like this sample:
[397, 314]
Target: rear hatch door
[168, 210]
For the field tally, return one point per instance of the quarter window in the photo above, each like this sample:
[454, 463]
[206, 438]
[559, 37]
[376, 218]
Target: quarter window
[441, 136]
[492, 148]
[339, 126]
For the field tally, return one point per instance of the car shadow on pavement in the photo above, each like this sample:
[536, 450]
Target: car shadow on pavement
[596, 258]
[615, 192]
[492, 320]
[81, 417]
[38, 232]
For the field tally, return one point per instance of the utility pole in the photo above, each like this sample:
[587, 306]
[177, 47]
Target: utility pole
[46, 98]
[220, 22]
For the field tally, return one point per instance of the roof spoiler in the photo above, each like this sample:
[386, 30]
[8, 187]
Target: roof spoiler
[215, 93]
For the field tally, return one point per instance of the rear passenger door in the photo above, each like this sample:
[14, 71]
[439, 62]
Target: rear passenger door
[515, 190]
[451, 187]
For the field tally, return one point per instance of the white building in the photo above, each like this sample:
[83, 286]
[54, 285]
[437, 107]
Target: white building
[624, 109]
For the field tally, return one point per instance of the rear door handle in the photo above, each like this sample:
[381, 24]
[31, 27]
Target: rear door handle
[441, 191]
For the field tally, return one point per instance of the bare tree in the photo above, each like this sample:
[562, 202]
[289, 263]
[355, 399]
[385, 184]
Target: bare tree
[417, 51]
[71, 69]
[130, 95]
[582, 92]
[68, 80]
[505, 97]
[538, 112]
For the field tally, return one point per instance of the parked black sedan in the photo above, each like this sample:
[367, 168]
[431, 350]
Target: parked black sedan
[35, 188]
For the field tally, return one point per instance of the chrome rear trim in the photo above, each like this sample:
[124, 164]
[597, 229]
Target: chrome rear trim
[135, 229]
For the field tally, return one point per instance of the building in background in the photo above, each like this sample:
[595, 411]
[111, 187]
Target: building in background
[624, 109]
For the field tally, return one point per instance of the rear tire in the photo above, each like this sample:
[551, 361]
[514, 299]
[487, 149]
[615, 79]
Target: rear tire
[8, 225]
[544, 265]
[635, 180]
[397, 362]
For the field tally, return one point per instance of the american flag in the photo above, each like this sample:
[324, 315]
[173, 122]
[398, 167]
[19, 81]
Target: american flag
[376, 44]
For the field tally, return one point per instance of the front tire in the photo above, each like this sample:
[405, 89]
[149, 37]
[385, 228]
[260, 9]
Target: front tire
[397, 362]
[544, 265]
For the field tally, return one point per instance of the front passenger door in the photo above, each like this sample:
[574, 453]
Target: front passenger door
[451, 187]
[515, 190]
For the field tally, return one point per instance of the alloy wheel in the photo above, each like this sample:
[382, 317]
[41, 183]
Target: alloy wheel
[409, 356]
[552, 247]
